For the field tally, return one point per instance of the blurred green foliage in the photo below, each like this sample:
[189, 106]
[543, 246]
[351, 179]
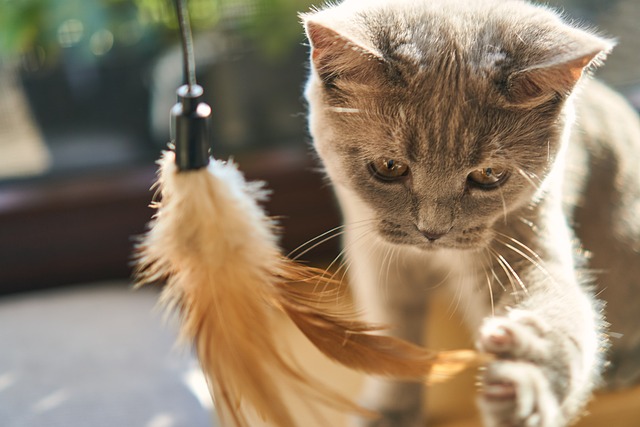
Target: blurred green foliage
[272, 23]
[44, 27]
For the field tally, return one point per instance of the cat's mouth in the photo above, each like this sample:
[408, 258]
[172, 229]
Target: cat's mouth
[471, 238]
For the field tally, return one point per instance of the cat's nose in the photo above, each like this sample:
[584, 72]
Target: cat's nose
[433, 235]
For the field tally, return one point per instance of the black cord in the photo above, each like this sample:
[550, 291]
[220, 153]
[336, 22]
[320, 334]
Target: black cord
[188, 59]
[190, 116]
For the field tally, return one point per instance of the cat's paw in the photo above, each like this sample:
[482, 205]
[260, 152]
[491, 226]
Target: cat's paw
[516, 388]
[520, 335]
[517, 394]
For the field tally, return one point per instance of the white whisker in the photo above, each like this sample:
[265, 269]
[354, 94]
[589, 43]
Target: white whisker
[537, 261]
[515, 275]
[504, 205]
[500, 259]
[338, 231]
[384, 284]
[347, 247]
[522, 245]
[529, 178]
[490, 286]
[312, 247]
[320, 236]
[452, 309]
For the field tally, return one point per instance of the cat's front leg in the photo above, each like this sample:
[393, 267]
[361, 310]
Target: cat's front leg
[390, 290]
[546, 356]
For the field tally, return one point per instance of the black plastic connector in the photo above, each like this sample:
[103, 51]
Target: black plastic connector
[190, 128]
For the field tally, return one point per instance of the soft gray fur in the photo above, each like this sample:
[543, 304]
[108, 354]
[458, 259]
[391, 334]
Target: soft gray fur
[450, 87]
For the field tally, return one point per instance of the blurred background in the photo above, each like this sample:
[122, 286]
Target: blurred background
[86, 86]
[86, 89]
[85, 92]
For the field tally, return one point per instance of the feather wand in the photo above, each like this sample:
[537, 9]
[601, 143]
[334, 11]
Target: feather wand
[217, 251]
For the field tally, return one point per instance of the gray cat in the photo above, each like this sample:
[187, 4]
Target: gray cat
[467, 148]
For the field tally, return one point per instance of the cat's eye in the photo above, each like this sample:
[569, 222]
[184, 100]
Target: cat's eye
[388, 170]
[487, 178]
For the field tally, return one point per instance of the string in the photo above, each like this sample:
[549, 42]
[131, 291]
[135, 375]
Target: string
[186, 38]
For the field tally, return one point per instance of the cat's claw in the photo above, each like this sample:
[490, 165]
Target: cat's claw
[515, 389]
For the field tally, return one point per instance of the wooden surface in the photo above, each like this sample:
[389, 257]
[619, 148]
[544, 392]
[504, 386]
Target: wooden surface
[71, 229]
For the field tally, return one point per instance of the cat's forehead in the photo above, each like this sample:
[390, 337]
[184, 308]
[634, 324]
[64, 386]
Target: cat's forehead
[425, 34]
[435, 107]
[430, 47]
[469, 79]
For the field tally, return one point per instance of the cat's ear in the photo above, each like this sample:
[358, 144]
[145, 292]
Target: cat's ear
[559, 72]
[337, 55]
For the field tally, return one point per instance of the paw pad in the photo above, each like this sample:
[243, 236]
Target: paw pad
[496, 338]
[500, 339]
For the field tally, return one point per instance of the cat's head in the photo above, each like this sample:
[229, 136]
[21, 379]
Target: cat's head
[442, 116]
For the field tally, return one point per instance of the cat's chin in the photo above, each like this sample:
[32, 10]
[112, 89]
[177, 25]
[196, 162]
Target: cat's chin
[438, 245]
[451, 246]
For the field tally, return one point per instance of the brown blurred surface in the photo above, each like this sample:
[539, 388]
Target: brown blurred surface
[82, 227]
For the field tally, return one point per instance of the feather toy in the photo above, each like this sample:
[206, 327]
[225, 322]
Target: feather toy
[216, 251]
